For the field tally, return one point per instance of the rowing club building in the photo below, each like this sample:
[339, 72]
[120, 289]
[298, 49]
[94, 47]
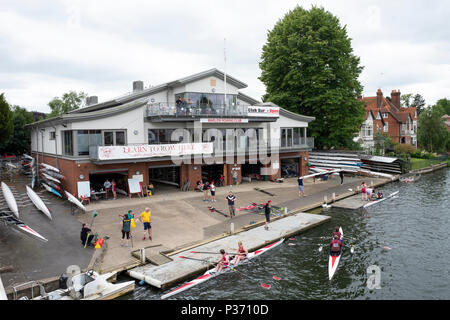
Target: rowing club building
[174, 134]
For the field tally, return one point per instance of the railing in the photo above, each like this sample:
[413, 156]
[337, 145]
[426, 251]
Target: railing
[184, 110]
[301, 144]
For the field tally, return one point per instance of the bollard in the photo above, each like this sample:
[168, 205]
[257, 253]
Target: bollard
[325, 199]
[232, 227]
[371, 183]
[334, 196]
[358, 188]
[285, 210]
[142, 255]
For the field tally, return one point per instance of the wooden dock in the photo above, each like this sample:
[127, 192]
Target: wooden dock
[180, 269]
[352, 203]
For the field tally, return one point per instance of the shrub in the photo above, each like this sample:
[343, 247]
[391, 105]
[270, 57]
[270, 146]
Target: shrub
[404, 149]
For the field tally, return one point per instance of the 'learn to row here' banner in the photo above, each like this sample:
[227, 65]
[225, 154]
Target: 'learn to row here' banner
[153, 150]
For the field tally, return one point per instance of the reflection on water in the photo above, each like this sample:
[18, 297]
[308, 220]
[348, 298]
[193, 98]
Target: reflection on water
[415, 226]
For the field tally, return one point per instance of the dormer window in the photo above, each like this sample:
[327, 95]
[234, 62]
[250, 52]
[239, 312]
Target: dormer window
[385, 115]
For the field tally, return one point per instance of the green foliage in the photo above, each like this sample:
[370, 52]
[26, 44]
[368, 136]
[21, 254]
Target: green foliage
[308, 67]
[432, 134]
[20, 140]
[404, 149]
[443, 106]
[382, 141]
[410, 100]
[70, 101]
[6, 123]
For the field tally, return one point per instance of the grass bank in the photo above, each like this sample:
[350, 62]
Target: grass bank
[423, 163]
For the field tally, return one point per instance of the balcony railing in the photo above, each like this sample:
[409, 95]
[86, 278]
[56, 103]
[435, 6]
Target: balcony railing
[184, 110]
[302, 143]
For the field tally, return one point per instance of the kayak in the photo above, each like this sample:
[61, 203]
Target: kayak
[49, 189]
[74, 200]
[211, 273]
[10, 200]
[22, 227]
[333, 261]
[38, 202]
[372, 202]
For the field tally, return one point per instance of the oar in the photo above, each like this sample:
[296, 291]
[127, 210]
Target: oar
[183, 257]
[210, 252]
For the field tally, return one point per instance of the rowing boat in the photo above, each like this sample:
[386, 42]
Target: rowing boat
[372, 202]
[49, 189]
[21, 226]
[50, 167]
[38, 202]
[10, 200]
[48, 177]
[74, 200]
[333, 261]
[211, 273]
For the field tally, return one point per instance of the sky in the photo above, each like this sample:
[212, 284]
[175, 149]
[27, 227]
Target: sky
[49, 47]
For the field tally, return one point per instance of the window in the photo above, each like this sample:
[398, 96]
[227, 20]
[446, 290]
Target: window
[378, 116]
[86, 139]
[114, 138]
[386, 127]
[385, 115]
[68, 142]
[52, 135]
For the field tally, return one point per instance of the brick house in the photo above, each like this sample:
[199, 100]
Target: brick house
[387, 115]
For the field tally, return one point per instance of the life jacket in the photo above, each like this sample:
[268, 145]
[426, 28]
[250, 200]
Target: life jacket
[335, 245]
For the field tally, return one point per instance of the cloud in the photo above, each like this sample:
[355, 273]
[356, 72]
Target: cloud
[50, 47]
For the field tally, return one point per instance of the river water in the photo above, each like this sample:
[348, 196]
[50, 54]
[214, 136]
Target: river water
[415, 226]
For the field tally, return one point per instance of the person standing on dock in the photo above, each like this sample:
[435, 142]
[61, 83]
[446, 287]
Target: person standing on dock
[231, 198]
[113, 188]
[341, 175]
[212, 189]
[363, 191]
[267, 210]
[126, 229]
[107, 186]
[145, 218]
[301, 188]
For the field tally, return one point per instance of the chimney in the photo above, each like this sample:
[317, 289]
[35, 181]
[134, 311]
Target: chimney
[379, 98]
[91, 100]
[138, 86]
[395, 98]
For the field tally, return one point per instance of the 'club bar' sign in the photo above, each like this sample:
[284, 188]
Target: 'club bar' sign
[153, 150]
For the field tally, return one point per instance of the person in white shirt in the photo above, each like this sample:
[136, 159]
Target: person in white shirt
[107, 186]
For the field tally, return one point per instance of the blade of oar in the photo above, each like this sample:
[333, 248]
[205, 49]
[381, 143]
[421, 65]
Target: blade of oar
[265, 286]
[276, 278]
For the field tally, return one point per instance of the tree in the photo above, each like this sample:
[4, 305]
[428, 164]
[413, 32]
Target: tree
[432, 134]
[20, 140]
[410, 100]
[70, 101]
[444, 106]
[382, 141]
[6, 123]
[308, 67]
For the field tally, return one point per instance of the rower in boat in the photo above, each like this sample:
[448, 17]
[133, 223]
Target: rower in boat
[335, 246]
[241, 255]
[373, 195]
[337, 233]
[380, 195]
[223, 262]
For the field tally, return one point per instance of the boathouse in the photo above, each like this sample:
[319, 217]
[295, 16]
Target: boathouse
[173, 135]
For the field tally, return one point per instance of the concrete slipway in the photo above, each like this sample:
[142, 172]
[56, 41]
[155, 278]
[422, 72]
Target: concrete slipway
[180, 269]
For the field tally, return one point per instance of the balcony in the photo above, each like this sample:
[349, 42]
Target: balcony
[185, 112]
[301, 144]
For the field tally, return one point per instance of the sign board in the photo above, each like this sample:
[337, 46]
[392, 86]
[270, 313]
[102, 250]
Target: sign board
[134, 186]
[223, 120]
[84, 189]
[139, 177]
[153, 150]
[256, 111]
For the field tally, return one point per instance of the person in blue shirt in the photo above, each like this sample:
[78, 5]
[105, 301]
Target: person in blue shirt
[301, 192]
